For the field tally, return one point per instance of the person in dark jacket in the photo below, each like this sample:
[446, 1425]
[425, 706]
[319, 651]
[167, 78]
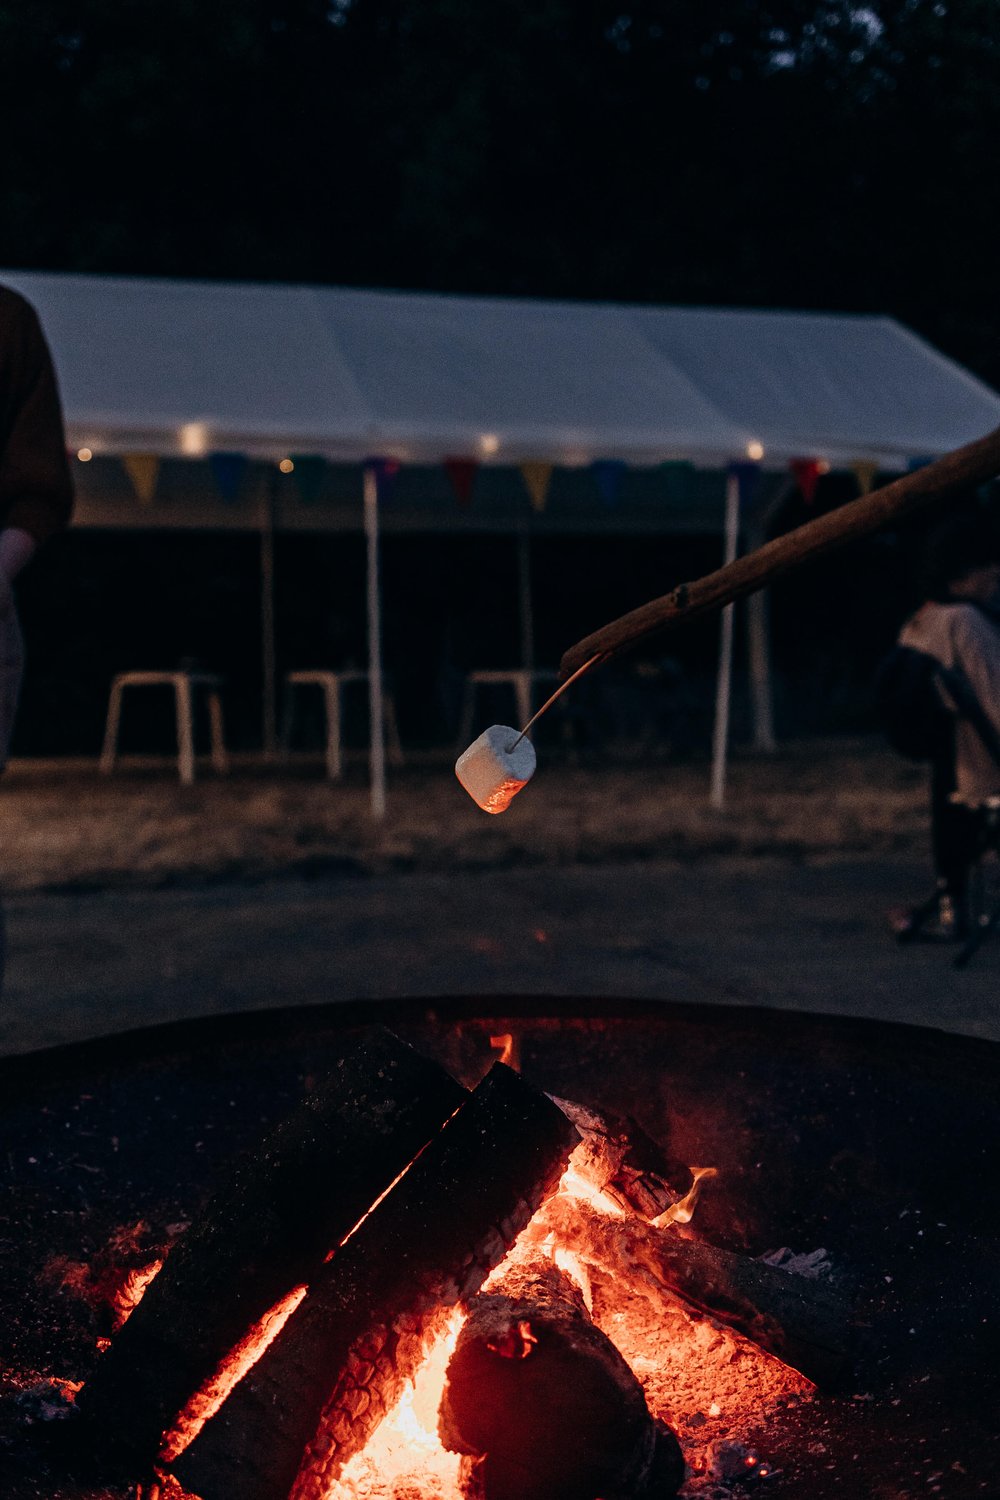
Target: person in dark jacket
[36, 491]
[958, 627]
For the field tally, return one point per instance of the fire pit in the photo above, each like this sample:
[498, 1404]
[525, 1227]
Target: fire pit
[875, 1145]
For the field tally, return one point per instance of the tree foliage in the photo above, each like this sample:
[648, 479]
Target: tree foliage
[800, 153]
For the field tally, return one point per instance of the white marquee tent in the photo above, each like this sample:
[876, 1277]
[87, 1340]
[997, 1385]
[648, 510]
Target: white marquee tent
[188, 369]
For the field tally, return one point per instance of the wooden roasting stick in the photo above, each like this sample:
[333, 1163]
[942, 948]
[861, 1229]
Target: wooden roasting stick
[343, 1357]
[543, 1403]
[802, 1321]
[971, 465]
[266, 1232]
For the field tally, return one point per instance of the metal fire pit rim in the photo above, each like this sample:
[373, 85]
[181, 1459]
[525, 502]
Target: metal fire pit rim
[200, 1036]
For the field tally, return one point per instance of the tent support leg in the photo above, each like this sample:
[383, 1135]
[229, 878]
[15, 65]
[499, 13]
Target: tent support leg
[759, 651]
[526, 612]
[724, 681]
[269, 671]
[376, 718]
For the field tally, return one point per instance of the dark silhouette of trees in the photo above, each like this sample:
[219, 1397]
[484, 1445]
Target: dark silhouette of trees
[799, 153]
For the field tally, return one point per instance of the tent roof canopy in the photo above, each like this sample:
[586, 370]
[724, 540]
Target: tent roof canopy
[186, 368]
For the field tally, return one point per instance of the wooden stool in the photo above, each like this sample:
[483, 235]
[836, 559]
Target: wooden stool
[332, 685]
[184, 685]
[521, 682]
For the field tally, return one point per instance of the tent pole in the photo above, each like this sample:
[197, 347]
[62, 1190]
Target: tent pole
[724, 681]
[269, 674]
[759, 650]
[525, 610]
[376, 729]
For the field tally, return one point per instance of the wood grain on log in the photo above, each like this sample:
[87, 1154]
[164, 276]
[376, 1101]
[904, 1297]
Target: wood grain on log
[283, 1210]
[544, 1403]
[344, 1355]
[804, 1322]
[970, 465]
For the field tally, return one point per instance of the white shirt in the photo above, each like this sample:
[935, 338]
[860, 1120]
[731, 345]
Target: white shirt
[963, 639]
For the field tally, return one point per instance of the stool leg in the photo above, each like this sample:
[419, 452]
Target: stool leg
[185, 731]
[465, 722]
[334, 761]
[220, 760]
[522, 695]
[110, 748]
[395, 755]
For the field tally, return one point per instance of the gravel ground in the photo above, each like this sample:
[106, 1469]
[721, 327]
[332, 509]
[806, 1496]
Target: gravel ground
[135, 901]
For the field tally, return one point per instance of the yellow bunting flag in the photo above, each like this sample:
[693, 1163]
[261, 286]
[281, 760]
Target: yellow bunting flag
[143, 470]
[537, 476]
[864, 472]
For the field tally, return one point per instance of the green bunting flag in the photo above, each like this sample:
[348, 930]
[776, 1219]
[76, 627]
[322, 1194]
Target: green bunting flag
[310, 474]
[227, 471]
[864, 471]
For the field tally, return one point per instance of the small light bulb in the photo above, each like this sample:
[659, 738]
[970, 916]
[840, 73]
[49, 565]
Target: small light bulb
[755, 451]
[489, 442]
[286, 466]
[84, 455]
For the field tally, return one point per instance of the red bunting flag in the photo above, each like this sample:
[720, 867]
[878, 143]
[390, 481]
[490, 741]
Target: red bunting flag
[462, 473]
[807, 472]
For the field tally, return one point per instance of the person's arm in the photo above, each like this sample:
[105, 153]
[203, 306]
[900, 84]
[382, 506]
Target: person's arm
[17, 548]
[36, 490]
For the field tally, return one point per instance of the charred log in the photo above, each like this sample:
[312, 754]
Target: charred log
[344, 1355]
[616, 1156]
[805, 1323]
[266, 1232]
[545, 1405]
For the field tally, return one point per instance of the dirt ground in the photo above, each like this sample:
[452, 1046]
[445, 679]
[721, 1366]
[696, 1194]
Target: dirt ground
[132, 901]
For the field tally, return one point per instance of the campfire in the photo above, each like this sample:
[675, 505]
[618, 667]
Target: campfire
[414, 1291]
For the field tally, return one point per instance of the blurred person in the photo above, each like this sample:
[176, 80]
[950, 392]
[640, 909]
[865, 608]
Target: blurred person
[948, 654]
[36, 490]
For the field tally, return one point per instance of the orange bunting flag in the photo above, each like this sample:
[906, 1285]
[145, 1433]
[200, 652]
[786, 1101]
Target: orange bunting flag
[143, 470]
[537, 477]
[462, 473]
[807, 472]
[864, 471]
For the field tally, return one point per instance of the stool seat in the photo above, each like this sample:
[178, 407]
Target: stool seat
[521, 681]
[332, 685]
[184, 685]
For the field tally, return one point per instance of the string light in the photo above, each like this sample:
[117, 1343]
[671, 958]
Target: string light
[286, 466]
[755, 451]
[489, 442]
[84, 455]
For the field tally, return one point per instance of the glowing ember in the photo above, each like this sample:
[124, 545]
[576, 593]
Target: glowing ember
[206, 1402]
[683, 1211]
[405, 1457]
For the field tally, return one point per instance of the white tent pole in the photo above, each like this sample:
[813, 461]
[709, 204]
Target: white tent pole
[376, 722]
[759, 650]
[524, 601]
[269, 673]
[724, 681]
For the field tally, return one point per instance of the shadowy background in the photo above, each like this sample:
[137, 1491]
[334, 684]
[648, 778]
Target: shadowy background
[800, 154]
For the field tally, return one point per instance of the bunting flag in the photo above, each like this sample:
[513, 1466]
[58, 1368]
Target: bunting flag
[679, 475]
[310, 472]
[227, 471]
[462, 473]
[608, 475]
[537, 476]
[919, 463]
[748, 478]
[864, 471]
[806, 472]
[385, 471]
[143, 470]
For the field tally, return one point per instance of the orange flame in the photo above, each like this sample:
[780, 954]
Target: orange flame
[682, 1211]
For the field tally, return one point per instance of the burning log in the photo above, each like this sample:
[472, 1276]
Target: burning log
[804, 1322]
[544, 1403]
[323, 1385]
[619, 1159]
[265, 1233]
